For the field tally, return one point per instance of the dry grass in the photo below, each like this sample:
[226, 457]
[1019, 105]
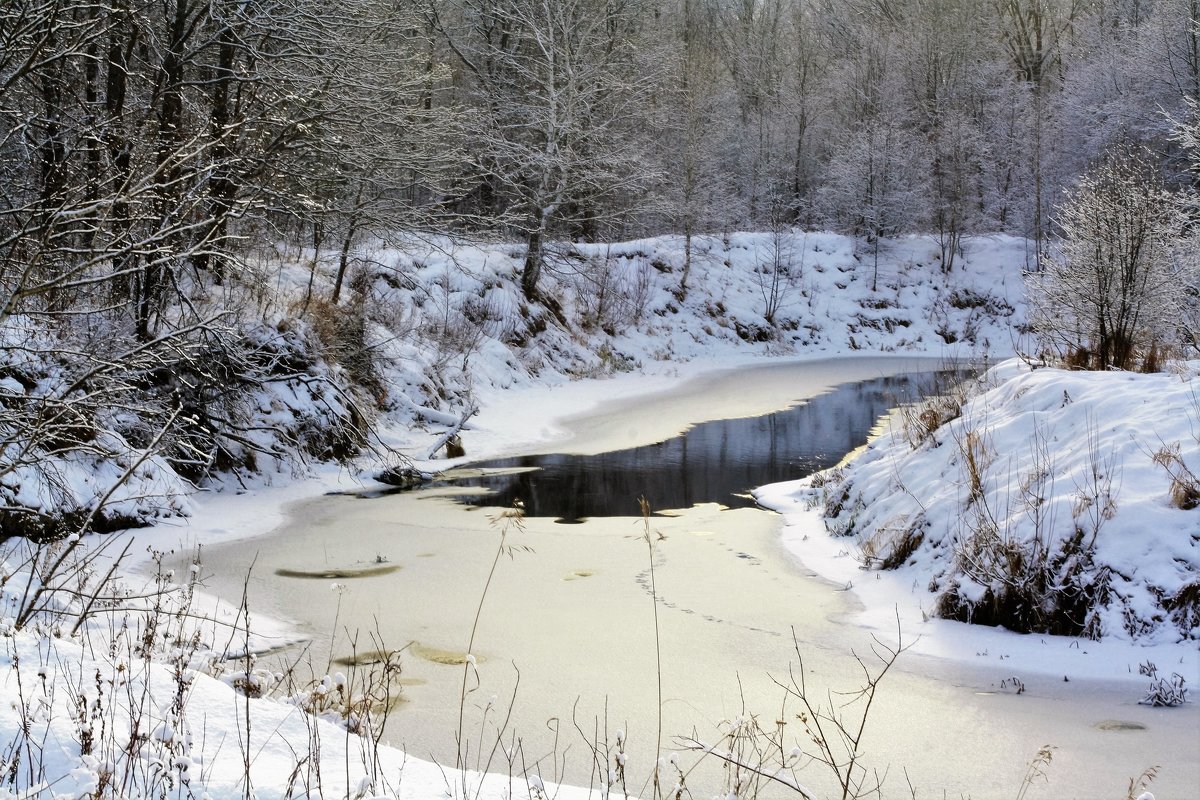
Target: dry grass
[976, 458]
[944, 403]
[892, 545]
[1184, 492]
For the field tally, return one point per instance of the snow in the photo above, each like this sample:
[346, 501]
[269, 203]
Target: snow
[175, 720]
[1081, 440]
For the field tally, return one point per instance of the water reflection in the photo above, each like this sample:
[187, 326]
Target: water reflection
[713, 462]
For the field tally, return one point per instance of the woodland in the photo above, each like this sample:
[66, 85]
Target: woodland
[157, 157]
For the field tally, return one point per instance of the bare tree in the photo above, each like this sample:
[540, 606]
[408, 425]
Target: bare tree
[693, 184]
[780, 271]
[1032, 31]
[554, 86]
[872, 187]
[142, 147]
[1110, 296]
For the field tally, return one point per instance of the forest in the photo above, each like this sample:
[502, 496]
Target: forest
[259, 258]
[143, 141]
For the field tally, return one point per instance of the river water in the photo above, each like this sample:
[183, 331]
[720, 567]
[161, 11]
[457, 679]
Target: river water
[567, 637]
[718, 461]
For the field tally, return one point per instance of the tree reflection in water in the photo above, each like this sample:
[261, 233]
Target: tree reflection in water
[716, 461]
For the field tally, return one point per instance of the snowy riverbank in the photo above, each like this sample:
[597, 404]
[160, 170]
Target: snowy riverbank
[189, 699]
[978, 667]
[436, 327]
[1075, 488]
[159, 713]
[279, 732]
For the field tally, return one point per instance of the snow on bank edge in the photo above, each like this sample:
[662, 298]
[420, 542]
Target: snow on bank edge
[1150, 548]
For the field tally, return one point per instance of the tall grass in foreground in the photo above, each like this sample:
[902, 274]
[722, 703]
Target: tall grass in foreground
[111, 711]
[507, 520]
[650, 537]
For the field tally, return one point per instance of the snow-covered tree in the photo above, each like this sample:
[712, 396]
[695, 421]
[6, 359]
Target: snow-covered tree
[553, 86]
[379, 148]
[1186, 131]
[873, 187]
[145, 151]
[1110, 296]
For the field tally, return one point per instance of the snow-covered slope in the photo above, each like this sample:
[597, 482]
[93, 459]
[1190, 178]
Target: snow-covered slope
[1052, 501]
[612, 308]
[450, 319]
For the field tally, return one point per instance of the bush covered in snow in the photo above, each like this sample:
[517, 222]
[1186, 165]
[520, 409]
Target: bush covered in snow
[99, 430]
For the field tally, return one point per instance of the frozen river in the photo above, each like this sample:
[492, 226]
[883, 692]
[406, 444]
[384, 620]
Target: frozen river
[566, 635]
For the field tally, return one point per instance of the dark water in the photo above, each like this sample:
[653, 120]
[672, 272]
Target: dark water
[713, 462]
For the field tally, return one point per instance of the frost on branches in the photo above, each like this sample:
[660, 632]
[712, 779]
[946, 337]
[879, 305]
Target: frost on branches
[1114, 295]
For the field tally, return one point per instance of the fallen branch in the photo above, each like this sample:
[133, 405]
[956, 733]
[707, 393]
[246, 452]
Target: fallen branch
[452, 431]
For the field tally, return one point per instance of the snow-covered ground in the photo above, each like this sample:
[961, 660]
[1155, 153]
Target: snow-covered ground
[200, 727]
[70, 701]
[1081, 477]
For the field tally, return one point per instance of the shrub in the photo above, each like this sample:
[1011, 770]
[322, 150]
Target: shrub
[1112, 294]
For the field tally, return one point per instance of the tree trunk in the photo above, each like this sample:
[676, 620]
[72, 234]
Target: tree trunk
[52, 150]
[532, 270]
[170, 116]
[344, 259]
[687, 258]
[119, 152]
[221, 186]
